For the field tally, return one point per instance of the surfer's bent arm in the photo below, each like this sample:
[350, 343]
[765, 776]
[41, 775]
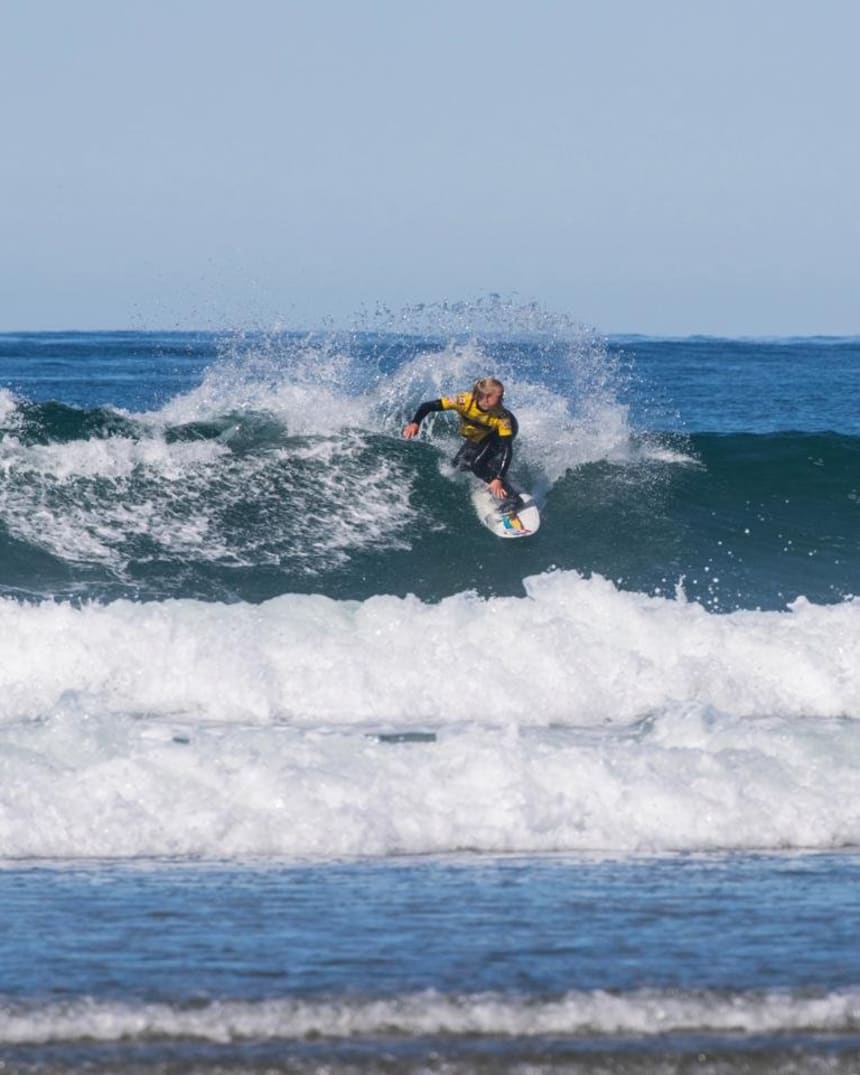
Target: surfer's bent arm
[426, 408]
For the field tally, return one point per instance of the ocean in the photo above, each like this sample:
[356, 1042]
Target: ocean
[303, 770]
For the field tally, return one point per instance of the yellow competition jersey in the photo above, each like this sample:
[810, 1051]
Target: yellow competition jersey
[476, 424]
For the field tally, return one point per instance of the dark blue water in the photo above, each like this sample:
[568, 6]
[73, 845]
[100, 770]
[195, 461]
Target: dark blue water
[709, 385]
[137, 371]
[695, 384]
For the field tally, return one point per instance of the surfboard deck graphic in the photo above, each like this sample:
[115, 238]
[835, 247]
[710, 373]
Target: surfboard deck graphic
[524, 522]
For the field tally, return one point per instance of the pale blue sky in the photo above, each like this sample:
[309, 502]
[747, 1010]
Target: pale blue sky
[664, 167]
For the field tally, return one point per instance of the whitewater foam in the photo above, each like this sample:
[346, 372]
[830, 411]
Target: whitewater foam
[596, 1014]
[113, 500]
[590, 653]
[311, 386]
[621, 722]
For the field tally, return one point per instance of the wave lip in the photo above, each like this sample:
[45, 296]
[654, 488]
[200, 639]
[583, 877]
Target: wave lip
[595, 1014]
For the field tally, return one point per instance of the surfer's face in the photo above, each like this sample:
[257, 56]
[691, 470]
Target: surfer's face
[490, 399]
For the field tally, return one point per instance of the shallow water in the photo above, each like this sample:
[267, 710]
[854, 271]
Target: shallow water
[560, 959]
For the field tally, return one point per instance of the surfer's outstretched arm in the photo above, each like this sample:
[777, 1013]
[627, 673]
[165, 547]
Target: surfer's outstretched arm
[411, 430]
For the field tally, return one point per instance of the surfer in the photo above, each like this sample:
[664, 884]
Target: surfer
[488, 430]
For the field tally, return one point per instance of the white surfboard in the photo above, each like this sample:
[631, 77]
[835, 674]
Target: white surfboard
[522, 523]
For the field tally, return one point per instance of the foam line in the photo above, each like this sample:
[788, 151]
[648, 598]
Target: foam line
[643, 1014]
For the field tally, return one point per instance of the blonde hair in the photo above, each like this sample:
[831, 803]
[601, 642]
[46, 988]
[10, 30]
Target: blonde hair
[486, 385]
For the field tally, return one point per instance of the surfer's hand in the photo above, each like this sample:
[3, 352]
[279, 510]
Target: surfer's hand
[410, 431]
[497, 489]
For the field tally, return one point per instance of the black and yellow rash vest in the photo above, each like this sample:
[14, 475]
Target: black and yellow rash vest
[476, 425]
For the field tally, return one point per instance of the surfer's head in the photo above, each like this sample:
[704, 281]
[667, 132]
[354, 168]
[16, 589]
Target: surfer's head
[489, 393]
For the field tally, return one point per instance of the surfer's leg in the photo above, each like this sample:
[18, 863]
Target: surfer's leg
[465, 457]
[483, 459]
[485, 465]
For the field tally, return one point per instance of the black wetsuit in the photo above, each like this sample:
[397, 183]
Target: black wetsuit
[488, 435]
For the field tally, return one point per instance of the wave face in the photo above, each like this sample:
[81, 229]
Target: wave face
[279, 469]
